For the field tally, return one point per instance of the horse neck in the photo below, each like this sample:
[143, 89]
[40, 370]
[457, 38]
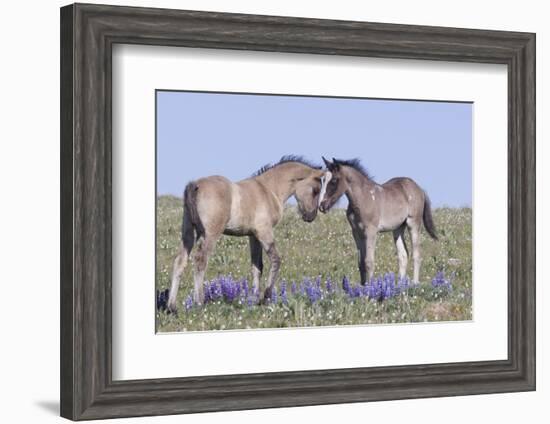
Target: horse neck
[281, 179]
[356, 183]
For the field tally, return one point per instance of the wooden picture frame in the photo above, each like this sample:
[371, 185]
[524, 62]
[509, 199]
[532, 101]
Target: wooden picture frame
[88, 33]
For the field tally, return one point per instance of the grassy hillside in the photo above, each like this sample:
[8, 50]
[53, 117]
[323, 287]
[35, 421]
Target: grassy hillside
[323, 249]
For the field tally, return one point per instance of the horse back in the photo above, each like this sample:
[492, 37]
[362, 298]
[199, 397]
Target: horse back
[404, 185]
[405, 190]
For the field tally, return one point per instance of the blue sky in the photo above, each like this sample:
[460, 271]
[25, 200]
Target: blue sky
[200, 134]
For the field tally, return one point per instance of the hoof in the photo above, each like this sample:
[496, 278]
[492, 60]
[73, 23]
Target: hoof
[172, 310]
[267, 296]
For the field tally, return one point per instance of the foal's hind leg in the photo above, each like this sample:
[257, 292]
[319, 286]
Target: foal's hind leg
[414, 230]
[402, 253]
[205, 246]
[188, 239]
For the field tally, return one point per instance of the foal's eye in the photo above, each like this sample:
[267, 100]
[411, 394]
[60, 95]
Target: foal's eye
[315, 191]
[333, 182]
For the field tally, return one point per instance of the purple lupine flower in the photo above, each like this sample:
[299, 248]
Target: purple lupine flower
[345, 285]
[237, 288]
[387, 291]
[377, 289]
[328, 285]
[253, 296]
[216, 289]
[439, 281]
[188, 302]
[162, 299]
[403, 284]
[284, 298]
[381, 289]
[319, 290]
[396, 288]
[370, 289]
[303, 286]
[389, 285]
[313, 291]
[206, 293]
[225, 288]
[228, 289]
[356, 291]
[244, 287]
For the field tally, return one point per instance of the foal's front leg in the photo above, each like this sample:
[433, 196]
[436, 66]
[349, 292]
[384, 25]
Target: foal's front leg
[268, 243]
[361, 243]
[367, 263]
[257, 263]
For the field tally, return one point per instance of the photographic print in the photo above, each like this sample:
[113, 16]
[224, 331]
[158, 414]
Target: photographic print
[276, 211]
[337, 206]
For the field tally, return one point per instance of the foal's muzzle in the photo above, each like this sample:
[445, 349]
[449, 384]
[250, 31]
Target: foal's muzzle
[309, 217]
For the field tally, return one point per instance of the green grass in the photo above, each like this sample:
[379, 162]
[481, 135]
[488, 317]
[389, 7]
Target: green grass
[323, 248]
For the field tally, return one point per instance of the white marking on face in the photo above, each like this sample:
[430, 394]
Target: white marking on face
[324, 181]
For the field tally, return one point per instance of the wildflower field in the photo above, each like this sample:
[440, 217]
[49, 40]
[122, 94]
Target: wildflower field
[318, 282]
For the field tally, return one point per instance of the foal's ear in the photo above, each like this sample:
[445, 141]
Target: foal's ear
[331, 166]
[328, 163]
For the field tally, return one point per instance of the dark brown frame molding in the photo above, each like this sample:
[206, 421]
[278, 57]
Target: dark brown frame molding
[88, 33]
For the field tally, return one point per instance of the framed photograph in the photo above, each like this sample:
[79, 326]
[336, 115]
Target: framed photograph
[263, 211]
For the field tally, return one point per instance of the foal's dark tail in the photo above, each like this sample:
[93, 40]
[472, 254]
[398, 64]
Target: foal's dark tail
[190, 208]
[427, 217]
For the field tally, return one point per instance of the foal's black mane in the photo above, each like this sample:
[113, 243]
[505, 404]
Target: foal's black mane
[286, 159]
[355, 163]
